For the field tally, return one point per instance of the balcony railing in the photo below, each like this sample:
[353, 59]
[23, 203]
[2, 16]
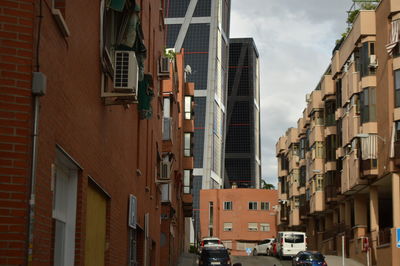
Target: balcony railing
[384, 236]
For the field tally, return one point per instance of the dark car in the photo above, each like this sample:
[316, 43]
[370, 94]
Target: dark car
[214, 255]
[309, 258]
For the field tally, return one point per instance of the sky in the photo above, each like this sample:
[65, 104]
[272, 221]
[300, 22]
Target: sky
[295, 40]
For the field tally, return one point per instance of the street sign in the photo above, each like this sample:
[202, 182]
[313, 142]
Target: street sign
[248, 251]
[398, 237]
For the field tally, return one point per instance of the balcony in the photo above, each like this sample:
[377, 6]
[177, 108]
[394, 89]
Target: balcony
[294, 217]
[317, 202]
[188, 125]
[167, 136]
[187, 201]
[281, 145]
[317, 134]
[327, 86]
[331, 193]
[188, 162]
[315, 102]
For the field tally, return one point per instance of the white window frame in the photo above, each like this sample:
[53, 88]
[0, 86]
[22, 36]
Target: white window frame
[253, 206]
[228, 227]
[264, 226]
[64, 209]
[265, 206]
[228, 205]
[252, 227]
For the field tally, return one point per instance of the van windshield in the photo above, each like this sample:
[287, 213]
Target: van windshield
[294, 238]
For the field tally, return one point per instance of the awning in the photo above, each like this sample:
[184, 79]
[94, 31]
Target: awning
[394, 37]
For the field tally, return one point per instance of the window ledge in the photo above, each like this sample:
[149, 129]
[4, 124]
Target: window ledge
[61, 22]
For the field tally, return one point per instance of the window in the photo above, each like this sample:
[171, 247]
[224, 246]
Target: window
[227, 243]
[252, 227]
[188, 107]
[188, 145]
[368, 105]
[367, 49]
[228, 205]
[227, 226]
[302, 176]
[264, 227]
[265, 206]
[397, 135]
[330, 148]
[302, 148]
[64, 210]
[186, 181]
[330, 108]
[252, 205]
[338, 93]
[319, 182]
[397, 87]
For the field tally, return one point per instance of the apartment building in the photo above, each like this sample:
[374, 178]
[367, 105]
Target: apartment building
[201, 27]
[243, 146]
[348, 186]
[177, 161]
[87, 164]
[240, 217]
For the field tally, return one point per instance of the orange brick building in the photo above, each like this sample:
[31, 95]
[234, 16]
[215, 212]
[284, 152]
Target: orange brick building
[81, 145]
[240, 217]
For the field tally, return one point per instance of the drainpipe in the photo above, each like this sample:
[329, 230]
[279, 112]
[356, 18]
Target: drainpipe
[39, 82]
[33, 179]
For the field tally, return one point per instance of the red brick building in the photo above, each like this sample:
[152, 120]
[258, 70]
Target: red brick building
[240, 217]
[81, 146]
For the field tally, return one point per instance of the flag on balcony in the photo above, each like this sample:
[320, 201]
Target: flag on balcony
[394, 36]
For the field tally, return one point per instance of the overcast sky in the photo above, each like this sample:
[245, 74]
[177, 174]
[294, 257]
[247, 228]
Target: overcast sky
[295, 40]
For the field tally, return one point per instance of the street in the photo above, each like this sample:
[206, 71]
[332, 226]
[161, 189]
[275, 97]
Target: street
[260, 261]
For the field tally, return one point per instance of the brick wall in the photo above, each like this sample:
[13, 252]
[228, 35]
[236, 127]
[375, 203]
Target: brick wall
[16, 50]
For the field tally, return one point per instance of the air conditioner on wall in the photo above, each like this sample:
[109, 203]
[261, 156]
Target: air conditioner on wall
[126, 72]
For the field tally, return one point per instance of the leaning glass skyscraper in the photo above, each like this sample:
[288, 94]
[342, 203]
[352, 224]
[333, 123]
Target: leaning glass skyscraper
[201, 28]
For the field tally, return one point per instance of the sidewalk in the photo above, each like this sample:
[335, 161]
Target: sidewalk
[187, 259]
[337, 261]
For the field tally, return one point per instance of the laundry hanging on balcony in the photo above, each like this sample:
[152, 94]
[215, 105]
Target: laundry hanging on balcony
[145, 96]
[130, 35]
[394, 36]
[369, 147]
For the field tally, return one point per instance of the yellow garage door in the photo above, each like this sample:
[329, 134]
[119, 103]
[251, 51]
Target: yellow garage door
[95, 227]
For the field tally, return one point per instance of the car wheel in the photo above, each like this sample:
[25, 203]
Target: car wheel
[255, 252]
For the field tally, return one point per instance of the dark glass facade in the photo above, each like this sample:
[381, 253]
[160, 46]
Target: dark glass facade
[241, 142]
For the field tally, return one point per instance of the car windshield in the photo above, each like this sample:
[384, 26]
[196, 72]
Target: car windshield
[215, 253]
[293, 238]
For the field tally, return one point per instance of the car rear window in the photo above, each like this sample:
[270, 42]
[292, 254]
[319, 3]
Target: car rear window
[293, 238]
[208, 242]
[316, 256]
[215, 253]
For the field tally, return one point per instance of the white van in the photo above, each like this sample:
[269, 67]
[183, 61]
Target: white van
[290, 243]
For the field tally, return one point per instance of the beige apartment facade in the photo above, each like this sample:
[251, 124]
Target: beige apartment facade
[339, 168]
[240, 217]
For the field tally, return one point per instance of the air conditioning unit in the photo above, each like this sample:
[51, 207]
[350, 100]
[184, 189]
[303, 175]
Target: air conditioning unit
[163, 67]
[126, 72]
[372, 61]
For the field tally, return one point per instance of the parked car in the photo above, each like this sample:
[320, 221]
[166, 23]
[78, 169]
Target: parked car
[263, 247]
[209, 241]
[290, 243]
[214, 255]
[309, 258]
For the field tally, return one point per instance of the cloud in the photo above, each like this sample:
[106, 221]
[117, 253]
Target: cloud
[295, 40]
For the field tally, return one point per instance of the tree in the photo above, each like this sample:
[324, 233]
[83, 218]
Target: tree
[265, 185]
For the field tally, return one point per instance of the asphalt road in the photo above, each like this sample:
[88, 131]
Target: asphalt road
[260, 261]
